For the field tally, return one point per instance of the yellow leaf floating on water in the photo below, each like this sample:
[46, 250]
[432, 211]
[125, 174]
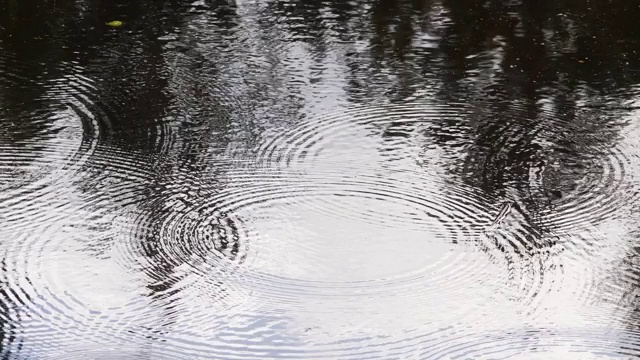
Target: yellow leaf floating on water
[115, 23]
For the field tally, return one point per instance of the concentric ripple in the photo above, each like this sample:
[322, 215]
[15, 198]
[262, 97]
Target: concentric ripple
[212, 234]
[271, 239]
[606, 184]
[593, 168]
[59, 264]
[274, 237]
[342, 153]
[343, 135]
[54, 298]
[42, 149]
[352, 170]
[205, 237]
[583, 178]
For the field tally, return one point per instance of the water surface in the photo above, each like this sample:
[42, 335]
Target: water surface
[319, 179]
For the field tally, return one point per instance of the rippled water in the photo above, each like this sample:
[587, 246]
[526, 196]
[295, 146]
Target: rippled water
[319, 180]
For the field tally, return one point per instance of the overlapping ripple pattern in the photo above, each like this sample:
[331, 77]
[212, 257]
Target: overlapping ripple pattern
[246, 183]
[355, 217]
[47, 135]
[50, 130]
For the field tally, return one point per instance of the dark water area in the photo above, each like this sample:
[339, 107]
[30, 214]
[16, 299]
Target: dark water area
[378, 179]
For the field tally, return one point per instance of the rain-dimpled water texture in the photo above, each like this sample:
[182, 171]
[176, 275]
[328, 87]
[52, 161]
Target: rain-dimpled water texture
[319, 180]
